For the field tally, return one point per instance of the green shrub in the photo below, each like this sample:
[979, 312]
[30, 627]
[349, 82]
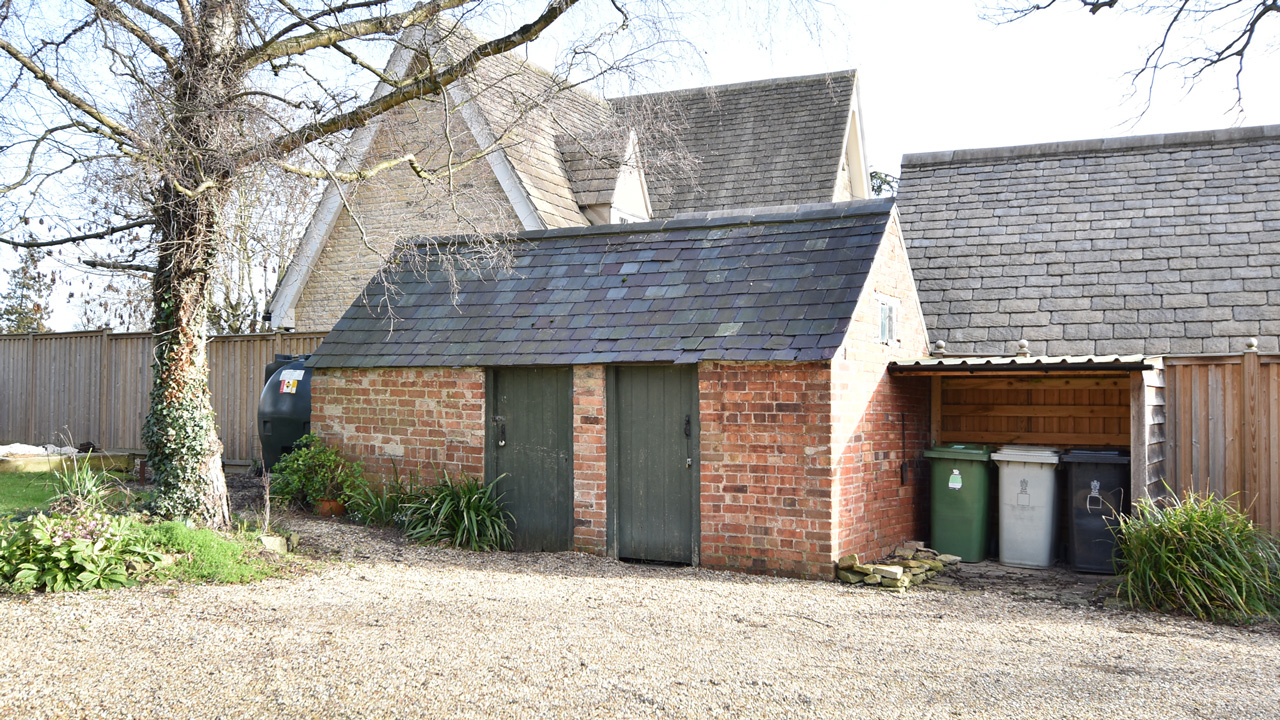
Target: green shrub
[313, 471]
[205, 555]
[464, 513]
[82, 551]
[1200, 556]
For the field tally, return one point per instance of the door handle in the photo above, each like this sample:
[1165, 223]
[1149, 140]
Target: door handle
[688, 427]
[502, 435]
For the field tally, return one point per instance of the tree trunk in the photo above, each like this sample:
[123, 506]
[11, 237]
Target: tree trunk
[182, 443]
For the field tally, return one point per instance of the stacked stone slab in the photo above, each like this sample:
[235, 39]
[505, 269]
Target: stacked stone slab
[910, 565]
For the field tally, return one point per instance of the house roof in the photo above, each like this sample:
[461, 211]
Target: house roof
[754, 144]
[593, 171]
[770, 286]
[1156, 244]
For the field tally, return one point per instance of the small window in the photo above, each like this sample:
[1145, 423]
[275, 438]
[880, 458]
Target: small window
[888, 319]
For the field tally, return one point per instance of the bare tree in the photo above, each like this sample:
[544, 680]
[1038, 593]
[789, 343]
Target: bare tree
[136, 128]
[1198, 35]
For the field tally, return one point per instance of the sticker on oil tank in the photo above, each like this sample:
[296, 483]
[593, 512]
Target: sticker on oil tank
[293, 374]
[289, 386]
[955, 482]
[1024, 497]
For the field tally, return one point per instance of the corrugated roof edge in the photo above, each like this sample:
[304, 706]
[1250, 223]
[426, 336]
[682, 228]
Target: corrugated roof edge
[1100, 146]
[754, 216]
[750, 84]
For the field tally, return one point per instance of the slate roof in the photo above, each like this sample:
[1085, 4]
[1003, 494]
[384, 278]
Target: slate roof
[772, 286]
[593, 172]
[528, 107]
[755, 144]
[1161, 244]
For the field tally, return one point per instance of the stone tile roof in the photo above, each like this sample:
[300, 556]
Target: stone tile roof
[592, 171]
[528, 108]
[1157, 244]
[773, 286]
[756, 144]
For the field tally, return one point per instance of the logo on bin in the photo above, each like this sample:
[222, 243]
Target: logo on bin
[1024, 497]
[1094, 501]
[955, 481]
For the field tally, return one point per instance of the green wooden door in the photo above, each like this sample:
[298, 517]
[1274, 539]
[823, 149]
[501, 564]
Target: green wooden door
[653, 428]
[530, 441]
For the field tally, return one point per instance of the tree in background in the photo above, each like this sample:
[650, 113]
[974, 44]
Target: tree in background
[178, 103]
[1199, 35]
[24, 307]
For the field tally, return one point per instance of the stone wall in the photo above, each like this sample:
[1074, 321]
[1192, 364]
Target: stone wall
[396, 205]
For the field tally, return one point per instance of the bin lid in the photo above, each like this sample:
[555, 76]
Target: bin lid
[960, 451]
[1027, 453]
[1105, 456]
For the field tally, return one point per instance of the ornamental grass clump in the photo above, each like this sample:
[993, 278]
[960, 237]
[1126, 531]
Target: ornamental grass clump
[464, 513]
[1199, 556]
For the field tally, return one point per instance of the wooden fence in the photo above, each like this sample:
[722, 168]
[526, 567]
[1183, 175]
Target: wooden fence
[93, 386]
[1222, 430]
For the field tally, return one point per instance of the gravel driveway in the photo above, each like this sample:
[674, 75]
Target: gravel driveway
[401, 631]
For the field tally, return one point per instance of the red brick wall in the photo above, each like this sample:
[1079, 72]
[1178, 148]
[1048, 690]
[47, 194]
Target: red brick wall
[589, 469]
[875, 511]
[765, 473]
[420, 419]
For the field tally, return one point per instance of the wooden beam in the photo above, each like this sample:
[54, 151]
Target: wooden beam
[1252, 438]
[1138, 437]
[1082, 411]
[1032, 438]
[1113, 382]
[935, 411]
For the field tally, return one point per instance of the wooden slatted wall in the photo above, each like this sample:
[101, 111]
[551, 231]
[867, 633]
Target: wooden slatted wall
[94, 385]
[1056, 412]
[1223, 430]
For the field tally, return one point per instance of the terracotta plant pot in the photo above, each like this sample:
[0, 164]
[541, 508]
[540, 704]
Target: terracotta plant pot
[330, 508]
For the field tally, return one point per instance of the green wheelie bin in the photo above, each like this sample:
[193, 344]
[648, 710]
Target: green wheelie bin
[961, 499]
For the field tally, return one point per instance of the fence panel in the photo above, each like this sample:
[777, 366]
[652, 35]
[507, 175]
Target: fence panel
[1223, 430]
[94, 386]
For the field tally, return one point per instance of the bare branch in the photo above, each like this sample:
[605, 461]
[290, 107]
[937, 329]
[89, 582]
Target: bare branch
[119, 131]
[432, 84]
[112, 13]
[81, 238]
[309, 19]
[387, 25]
[112, 265]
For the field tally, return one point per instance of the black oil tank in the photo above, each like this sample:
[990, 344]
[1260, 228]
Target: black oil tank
[284, 409]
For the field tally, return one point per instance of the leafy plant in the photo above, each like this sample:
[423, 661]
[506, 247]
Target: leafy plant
[1200, 556]
[462, 513]
[382, 506]
[314, 471]
[82, 488]
[72, 552]
[205, 555]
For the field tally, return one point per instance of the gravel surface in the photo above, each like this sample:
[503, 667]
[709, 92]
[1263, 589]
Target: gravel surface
[395, 630]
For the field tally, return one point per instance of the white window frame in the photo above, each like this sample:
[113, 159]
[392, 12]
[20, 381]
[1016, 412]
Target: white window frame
[893, 306]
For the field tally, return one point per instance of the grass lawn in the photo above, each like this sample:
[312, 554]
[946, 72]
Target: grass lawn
[22, 491]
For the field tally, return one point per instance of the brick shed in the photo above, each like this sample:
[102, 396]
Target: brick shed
[709, 390]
